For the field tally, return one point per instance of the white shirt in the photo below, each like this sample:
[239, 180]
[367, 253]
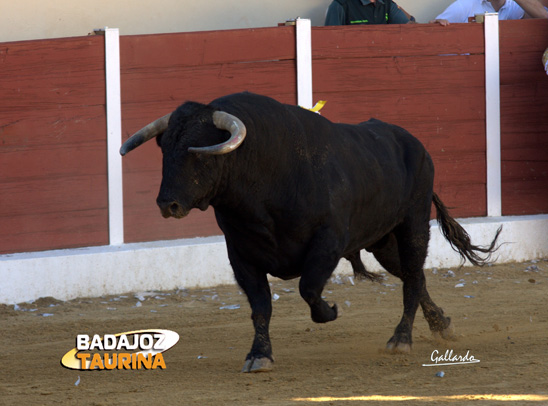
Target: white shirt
[460, 10]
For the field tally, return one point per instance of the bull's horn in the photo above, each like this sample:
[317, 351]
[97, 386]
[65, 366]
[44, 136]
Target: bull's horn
[228, 122]
[144, 134]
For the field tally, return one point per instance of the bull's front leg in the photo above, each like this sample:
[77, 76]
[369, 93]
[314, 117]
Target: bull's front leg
[257, 289]
[320, 263]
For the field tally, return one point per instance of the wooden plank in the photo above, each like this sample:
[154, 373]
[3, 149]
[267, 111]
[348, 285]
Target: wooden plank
[207, 48]
[52, 56]
[524, 118]
[45, 187]
[522, 67]
[57, 230]
[30, 129]
[464, 200]
[524, 122]
[396, 40]
[37, 74]
[523, 106]
[53, 192]
[403, 74]
[206, 83]
[57, 183]
[146, 225]
[524, 187]
[447, 137]
[524, 147]
[519, 36]
[406, 89]
[405, 109]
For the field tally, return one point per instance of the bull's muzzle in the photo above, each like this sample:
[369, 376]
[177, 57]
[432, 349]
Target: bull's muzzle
[171, 208]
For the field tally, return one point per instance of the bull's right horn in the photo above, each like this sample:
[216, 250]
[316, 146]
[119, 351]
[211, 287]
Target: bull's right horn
[144, 134]
[230, 123]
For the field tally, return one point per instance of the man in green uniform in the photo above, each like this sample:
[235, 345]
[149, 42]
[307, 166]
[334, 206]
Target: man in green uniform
[354, 12]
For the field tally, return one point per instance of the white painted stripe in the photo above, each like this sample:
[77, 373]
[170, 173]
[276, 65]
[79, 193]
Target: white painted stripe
[451, 363]
[492, 113]
[303, 33]
[114, 136]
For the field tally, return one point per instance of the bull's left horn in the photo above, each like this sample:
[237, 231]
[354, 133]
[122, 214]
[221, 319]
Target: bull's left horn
[152, 130]
[228, 122]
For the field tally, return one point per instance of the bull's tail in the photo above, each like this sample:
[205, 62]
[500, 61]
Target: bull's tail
[459, 238]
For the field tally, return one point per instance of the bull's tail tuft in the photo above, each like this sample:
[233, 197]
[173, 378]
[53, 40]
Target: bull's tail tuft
[460, 239]
[360, 272]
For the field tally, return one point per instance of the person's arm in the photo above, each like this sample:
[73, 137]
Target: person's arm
[396, 15]
[455, 13]
[335, 14]
[409, 16]
[440, 21]
[534, 8]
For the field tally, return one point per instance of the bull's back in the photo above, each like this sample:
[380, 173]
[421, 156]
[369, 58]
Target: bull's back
[387, 169]
[365, 176]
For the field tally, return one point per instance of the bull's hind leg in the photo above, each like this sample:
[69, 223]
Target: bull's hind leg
[411, 251]
[412, 246]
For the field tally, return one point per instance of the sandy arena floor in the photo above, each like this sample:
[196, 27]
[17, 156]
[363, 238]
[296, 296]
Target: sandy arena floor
[500, 314]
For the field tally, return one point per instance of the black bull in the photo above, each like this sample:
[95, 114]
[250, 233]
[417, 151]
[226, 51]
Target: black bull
[294, 193]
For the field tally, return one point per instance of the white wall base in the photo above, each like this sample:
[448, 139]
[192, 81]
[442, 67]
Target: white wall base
[202, 262]
[96, 271]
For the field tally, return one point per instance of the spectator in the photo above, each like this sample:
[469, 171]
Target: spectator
[354, 12]
[460, 10]
[534, 8]
[545, 60]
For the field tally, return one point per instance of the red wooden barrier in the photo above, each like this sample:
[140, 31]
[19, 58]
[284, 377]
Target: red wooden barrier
[53, 184]
[426, 78]
[524, 117]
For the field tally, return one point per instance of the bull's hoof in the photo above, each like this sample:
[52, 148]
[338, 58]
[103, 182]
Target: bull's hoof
[325, 314]
[399, 343]
[398, 348]
[446, 334]
[257, 365]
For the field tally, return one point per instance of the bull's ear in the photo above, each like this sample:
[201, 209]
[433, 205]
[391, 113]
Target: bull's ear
[159, 139]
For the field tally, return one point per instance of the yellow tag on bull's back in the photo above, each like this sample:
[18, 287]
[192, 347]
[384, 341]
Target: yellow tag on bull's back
[318, 106]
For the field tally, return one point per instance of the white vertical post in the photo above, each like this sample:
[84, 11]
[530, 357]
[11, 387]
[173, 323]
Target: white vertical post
[114, 136]
[303, 28]
[492, 115]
